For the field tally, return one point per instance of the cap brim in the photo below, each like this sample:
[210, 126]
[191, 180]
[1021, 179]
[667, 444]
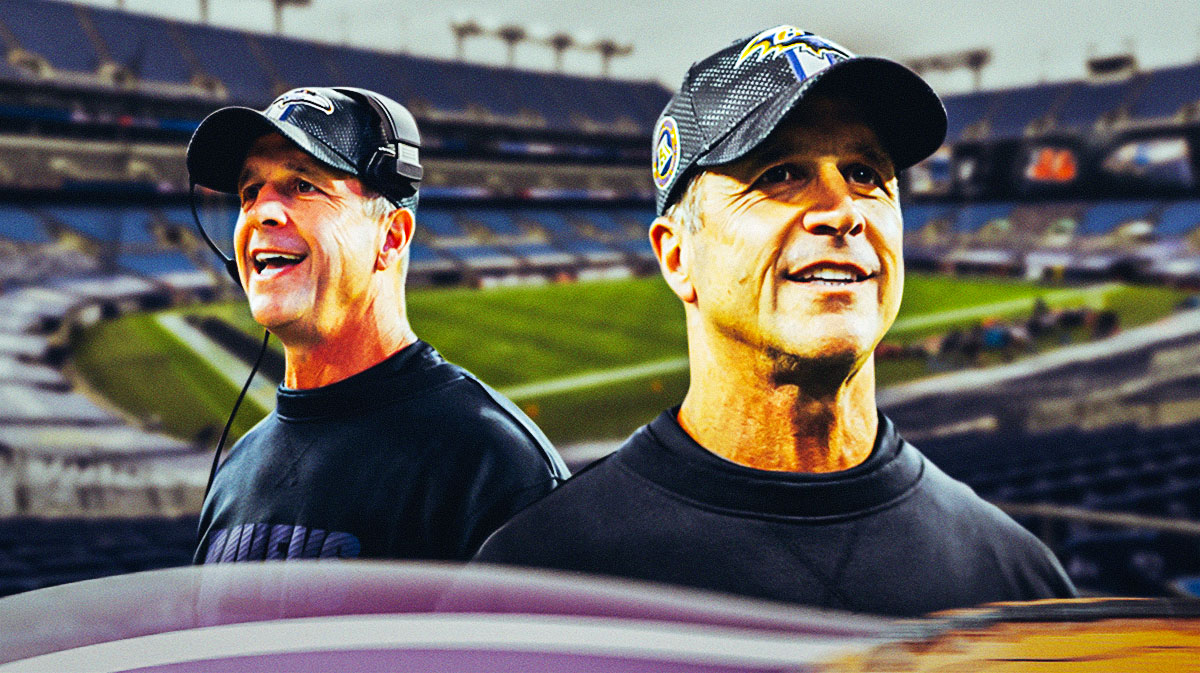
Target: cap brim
[220, 144]
[905, 113]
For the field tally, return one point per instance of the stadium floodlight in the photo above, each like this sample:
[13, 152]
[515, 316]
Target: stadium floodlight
[278, 7]
[560, 42]
[512, 34]
[464, 28]
[971, 59]
[609, 49]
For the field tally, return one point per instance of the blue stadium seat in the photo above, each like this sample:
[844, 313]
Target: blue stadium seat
[552, 221]
[917, 215]
[497, 221]
[51, 30]
[226, 55]
[963, 110]
[603, 220]
[422, 254]
[392, 76]
[1016, 109]
[533, 250]
[97, 222]
[584, 246]
[1166, 91]
[1179, 219]
[18, 224]
[1087, 102]
[156, 264]
[440, 223]
[140, 44]
[129, 224]
[974, 216]
[299, 63]
[1103, 218]
[481, 255]
[135, 225]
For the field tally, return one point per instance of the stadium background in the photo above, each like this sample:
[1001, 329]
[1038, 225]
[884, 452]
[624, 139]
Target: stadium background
[1047, 351]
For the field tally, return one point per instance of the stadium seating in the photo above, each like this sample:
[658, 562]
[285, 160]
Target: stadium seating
[18, 224]
[298, 63]
[1104, 218]
[142, 45]
[1165, 93]
[37, 553]
[963, 111]
[50, 30]
[1087, 103]
[156, 264]
[1179, 219]
[1017, 108]
[228, 57]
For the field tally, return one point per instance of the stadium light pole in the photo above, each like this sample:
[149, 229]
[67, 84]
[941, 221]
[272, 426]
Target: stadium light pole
[971, 59]
[279, 5]
[463, 29]
[610, 49]
[511, 34]
[560, 42]
[204, 11]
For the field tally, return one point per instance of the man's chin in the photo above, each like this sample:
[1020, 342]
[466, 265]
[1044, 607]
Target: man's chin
[819, 367]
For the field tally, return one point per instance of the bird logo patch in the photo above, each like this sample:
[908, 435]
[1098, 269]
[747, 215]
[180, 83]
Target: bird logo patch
[666, 151]
[283, 106]
[807, 53]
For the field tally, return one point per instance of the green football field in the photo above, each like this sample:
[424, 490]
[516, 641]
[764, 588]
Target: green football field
[585, 360]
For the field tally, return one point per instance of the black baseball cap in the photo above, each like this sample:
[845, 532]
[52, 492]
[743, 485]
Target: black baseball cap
[337, 126]
[731, 101]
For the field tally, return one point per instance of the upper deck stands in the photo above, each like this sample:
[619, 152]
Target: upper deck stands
[143, 45]
[1165, 92]
[50, 30]
[1016, 109]
[226, 55]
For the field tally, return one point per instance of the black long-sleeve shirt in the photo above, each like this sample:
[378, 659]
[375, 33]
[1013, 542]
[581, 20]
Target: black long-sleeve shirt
[894, 535]
[413, 458]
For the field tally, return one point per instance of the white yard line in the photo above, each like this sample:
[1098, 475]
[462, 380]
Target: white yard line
[1091, 292]
[594, 379]
[227, 365]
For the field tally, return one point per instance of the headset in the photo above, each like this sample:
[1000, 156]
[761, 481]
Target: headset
[394, 169]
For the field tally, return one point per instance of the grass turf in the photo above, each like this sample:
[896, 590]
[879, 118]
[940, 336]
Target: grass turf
[146, 371]
[511, 336]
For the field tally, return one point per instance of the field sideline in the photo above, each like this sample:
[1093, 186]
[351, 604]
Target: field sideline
[586, 360]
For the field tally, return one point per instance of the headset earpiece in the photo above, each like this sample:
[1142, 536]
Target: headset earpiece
[395, 166]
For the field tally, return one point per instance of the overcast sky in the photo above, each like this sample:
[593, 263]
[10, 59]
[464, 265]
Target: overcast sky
[1030, 41]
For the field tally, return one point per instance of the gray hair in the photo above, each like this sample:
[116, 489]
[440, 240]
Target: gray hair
[686, 210]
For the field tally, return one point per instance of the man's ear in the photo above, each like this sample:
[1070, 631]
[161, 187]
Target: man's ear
[667, 239]
[399, 233]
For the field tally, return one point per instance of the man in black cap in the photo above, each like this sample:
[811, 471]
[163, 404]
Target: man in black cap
[779, 229]
[378, 447]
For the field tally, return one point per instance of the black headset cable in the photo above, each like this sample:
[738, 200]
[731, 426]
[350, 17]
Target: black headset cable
[212, 474]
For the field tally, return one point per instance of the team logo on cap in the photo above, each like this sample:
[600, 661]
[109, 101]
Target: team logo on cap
[666, 151]
[807, 53]
[286, 104]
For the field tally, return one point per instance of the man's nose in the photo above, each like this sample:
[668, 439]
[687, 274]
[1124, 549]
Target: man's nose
[267, 209]
[833, 211]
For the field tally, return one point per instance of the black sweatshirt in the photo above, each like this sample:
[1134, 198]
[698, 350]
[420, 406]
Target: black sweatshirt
[893, 535]
[412, 458]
